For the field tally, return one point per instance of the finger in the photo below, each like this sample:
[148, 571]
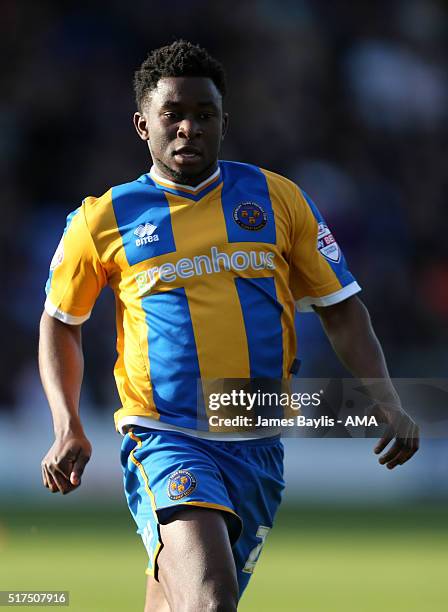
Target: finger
[44, 476]
[384, 441]
[399, 459]
[65, 480]
[51, 483]
[408, 452]
[391, 453]
[78, 469]
[59, 478]
[405, 447]
[62, 473]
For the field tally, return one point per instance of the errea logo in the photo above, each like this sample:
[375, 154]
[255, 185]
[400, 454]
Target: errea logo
[145, 233]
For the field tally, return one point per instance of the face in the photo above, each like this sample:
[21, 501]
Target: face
[183, 122]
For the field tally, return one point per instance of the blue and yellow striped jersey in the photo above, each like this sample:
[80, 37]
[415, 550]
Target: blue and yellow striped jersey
[205, 279]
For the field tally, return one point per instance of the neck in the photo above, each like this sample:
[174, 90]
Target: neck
[181, 178]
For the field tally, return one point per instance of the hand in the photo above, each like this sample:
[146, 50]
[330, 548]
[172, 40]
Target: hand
[63, 465]
[403, 429]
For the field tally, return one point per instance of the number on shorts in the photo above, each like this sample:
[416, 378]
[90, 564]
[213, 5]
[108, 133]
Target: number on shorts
[254, 554]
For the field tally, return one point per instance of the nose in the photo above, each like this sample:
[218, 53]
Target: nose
[189, 129]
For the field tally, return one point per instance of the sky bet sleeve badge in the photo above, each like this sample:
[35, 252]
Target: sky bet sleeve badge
[327, 245]
[181, 484]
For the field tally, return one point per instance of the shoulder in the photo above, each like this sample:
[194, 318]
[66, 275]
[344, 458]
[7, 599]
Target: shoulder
[142, 185]
[94, 209]
[100, 204]
[284, 189]
[241, 169]
[289, 192]
[280, 181]
[279, 186]
[102, 210]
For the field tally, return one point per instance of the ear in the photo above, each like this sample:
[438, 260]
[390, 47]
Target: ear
[141, 125]
[225, 124]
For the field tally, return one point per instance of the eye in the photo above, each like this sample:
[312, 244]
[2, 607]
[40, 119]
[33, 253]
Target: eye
[204, 116]
[170, 115]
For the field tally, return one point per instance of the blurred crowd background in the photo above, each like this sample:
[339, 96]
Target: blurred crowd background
[349, 99]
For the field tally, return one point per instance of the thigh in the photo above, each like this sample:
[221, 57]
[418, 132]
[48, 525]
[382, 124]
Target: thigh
[165, 473]
[196, 564]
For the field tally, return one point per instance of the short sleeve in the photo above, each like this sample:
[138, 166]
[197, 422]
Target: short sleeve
[76, 274]
[318, 271]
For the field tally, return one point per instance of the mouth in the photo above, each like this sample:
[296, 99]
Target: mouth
[187, 155]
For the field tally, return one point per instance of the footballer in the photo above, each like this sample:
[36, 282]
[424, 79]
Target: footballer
[208, 260]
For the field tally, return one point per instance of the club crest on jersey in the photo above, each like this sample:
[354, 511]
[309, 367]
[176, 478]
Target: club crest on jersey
[250, 216]
[181, 484]
[327, 244]
[145, 234]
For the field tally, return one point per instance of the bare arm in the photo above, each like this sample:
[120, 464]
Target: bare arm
[349, 329]
[61, 367]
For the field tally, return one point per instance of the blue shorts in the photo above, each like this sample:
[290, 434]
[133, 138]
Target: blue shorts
[165, 471]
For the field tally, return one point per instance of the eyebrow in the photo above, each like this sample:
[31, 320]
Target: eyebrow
[175, 103]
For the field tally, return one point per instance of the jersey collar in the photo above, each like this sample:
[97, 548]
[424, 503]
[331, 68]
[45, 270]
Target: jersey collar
[187, 191]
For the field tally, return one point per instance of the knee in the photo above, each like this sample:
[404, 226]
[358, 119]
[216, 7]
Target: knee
[212, 602]
[213, 605]
[217, 593]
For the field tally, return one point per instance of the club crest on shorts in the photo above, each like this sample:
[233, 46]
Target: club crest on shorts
[181, 484]
[250, 216]
[327, 244]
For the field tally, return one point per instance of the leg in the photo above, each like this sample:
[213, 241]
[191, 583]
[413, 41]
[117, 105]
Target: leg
[196, 565]
[155, 597]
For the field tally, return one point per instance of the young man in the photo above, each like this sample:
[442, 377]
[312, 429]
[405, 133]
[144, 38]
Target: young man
[207, 260]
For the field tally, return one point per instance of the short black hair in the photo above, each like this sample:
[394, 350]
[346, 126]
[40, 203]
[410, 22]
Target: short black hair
[181, 58]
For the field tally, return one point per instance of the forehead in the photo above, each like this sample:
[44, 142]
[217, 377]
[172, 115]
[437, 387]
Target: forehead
[193, 91]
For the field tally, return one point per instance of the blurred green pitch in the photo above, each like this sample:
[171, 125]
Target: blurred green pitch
[315, 560]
